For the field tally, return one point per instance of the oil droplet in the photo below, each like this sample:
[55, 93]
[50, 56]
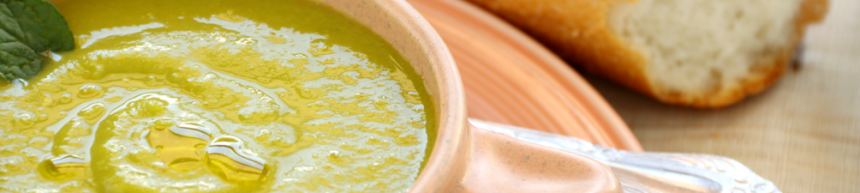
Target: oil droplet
[227, 158]
[89, 91]
[63, 167]
[192, 130]
[177, 146]
[65, 98]
[24, 120]
[92, 111]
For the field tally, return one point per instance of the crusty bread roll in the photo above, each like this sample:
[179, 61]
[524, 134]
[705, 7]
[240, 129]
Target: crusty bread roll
[699, 53]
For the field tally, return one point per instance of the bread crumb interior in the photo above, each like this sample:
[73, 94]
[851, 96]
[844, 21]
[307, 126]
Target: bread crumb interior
[703, 46]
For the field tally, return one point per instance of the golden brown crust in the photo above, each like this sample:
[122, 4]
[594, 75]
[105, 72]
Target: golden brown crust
[578, 31]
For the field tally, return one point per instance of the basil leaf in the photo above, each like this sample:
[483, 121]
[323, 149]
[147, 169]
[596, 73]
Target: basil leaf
[29, 28]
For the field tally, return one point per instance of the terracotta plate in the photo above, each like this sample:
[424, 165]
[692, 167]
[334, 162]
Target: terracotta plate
[512, 79]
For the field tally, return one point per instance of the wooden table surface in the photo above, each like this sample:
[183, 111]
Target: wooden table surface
[803, 133]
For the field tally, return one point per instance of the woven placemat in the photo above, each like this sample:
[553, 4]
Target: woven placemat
[803, 133]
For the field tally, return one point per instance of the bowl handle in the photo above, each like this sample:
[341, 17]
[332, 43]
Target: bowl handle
[645, 171]
[501, 163]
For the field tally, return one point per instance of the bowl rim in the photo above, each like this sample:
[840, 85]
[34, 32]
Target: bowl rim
[444, 166]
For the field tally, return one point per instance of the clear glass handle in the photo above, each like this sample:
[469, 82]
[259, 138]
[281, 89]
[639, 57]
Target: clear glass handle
[651, 171]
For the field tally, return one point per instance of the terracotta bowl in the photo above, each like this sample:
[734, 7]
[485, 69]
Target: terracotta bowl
[465, 158]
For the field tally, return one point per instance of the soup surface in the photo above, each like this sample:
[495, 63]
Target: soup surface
[215, 96]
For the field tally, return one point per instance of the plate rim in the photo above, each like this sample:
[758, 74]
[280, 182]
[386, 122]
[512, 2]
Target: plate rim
[599, 112]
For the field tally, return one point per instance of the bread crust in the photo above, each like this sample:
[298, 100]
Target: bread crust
[578, 31]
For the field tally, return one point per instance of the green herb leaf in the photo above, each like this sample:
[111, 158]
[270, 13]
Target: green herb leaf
[29, 28]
